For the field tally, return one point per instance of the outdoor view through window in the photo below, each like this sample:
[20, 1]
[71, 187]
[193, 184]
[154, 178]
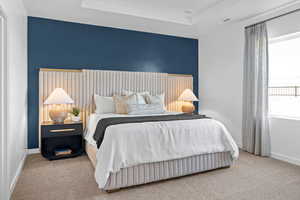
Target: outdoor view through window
[284, 76]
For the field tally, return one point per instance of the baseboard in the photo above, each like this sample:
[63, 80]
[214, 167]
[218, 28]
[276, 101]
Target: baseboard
[33, 151]
[18, 173]
[288, 159]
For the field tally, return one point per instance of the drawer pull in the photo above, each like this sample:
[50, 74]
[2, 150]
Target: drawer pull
[62, 130]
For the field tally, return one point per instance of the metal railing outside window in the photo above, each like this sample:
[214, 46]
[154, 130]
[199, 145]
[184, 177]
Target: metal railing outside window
[287, 91]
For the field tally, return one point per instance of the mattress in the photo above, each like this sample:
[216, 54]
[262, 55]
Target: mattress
[152, 172]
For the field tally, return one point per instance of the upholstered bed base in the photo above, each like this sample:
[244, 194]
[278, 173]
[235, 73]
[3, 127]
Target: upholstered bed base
[91, 151]
[152, 172]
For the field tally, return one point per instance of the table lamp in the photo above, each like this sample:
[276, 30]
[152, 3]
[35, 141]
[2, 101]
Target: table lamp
[188, 97]
[57, 98]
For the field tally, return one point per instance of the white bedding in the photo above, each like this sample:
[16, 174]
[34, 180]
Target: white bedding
[126, 145]
[94, 119]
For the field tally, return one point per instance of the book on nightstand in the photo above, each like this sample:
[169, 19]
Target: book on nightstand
[62, 151]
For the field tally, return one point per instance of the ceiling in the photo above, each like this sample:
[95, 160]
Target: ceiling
[164, 10]
[184, 18]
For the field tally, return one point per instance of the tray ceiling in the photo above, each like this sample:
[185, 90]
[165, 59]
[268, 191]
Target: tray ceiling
[173, 17]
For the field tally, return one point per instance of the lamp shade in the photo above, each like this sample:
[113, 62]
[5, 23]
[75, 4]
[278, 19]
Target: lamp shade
[187, 95]
[59, 96]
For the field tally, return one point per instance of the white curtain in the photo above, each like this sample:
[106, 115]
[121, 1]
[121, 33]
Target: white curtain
[256, 136]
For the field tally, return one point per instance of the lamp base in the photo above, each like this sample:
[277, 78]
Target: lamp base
[58, 115]
[188, 107]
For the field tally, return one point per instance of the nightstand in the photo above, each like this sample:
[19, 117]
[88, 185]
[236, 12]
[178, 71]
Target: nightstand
[67, 135]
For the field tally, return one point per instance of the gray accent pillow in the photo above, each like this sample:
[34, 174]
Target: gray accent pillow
[144, 109]
[141, 96]
[156, 99]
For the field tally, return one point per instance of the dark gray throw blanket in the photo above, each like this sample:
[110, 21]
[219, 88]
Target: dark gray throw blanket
[104, 123]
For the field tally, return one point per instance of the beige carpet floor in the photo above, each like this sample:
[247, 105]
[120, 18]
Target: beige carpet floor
[251, 177]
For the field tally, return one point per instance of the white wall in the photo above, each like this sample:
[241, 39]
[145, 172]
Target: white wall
[220, 71]
[17, 85]
[221, 79]
[285, 139]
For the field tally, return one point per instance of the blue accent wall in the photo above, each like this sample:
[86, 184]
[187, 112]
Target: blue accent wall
[59, 44]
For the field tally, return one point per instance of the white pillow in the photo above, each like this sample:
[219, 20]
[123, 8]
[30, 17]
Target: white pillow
[104, 104]
[141, 96]
[144, 109]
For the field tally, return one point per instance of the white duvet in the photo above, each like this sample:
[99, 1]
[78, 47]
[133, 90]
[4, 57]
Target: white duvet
[126, 145]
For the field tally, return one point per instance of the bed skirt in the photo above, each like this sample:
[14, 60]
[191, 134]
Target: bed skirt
[152, 172]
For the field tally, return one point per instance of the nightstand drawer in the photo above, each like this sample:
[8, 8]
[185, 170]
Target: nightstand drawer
[61, 130]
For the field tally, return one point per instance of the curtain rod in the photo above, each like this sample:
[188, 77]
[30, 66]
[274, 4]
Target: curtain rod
[276, 17]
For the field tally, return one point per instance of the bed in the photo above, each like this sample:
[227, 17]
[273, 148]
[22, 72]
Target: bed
[129, 155]
[140, 153]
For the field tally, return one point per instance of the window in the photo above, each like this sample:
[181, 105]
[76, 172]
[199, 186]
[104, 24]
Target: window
[284, 76]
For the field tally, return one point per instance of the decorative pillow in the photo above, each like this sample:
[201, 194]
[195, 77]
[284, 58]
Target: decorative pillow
[141, 96]
[121, 103]
[104, 104]
[144, 109]
[158, 99]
